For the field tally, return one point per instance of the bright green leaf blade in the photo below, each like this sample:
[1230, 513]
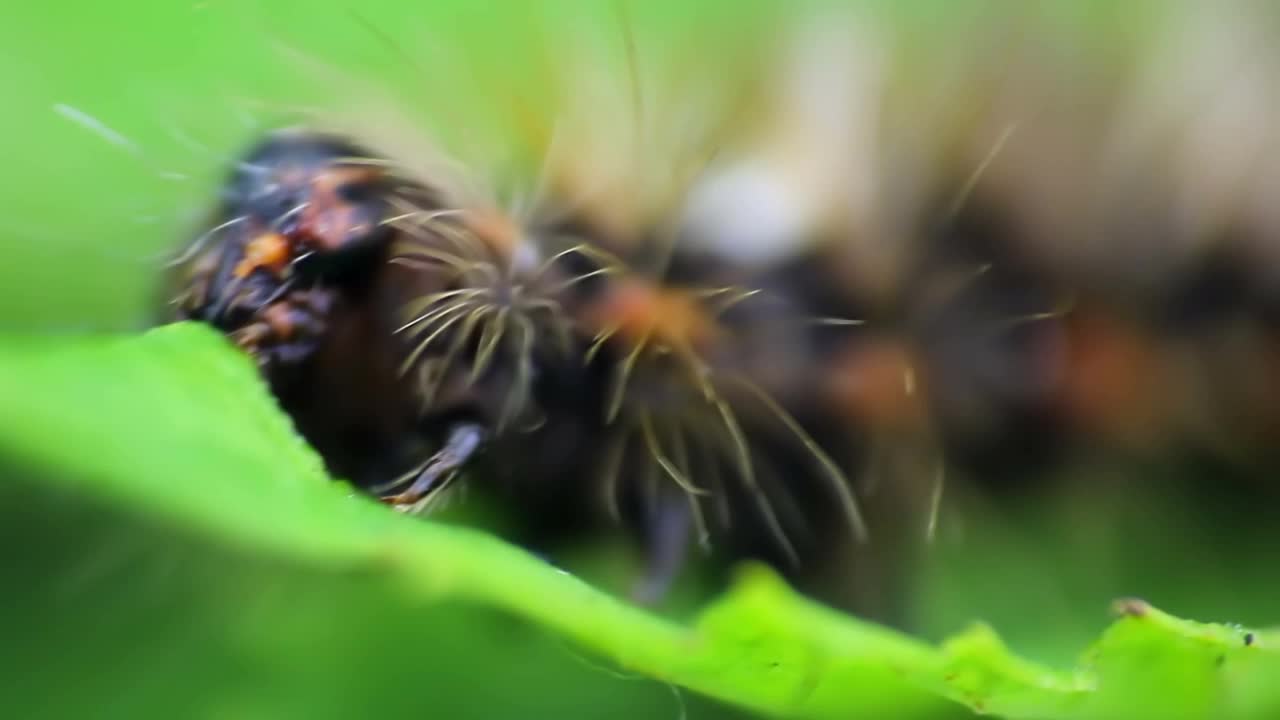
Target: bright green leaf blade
[1173, 668]
[175, 429]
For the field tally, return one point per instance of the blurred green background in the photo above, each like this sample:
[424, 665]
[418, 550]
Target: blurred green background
[189, 83]
[107, 611]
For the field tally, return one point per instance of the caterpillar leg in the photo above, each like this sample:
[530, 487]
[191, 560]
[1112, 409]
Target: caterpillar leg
[287, 331]
[667, 535]
[463, 442]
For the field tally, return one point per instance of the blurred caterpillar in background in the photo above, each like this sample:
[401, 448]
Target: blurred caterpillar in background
[765, 303]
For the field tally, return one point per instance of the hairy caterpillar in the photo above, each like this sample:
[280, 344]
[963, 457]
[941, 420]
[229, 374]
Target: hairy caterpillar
[622, 374]
[668, 332]
[475, 310]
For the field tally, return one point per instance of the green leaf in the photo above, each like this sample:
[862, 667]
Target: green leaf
[287, 594]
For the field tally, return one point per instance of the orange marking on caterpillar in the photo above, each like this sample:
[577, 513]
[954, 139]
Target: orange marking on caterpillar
[498, 232]
[330, 220]
[877, 383]
[1114, 379]
[641, 311]
[268, 250]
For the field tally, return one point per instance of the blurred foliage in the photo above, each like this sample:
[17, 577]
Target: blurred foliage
[84, 222]
[202, 565]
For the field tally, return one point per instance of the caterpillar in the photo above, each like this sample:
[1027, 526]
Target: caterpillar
[464, 316]
[291, 269]
[711, 325]
[300, 217]
[624, 380]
